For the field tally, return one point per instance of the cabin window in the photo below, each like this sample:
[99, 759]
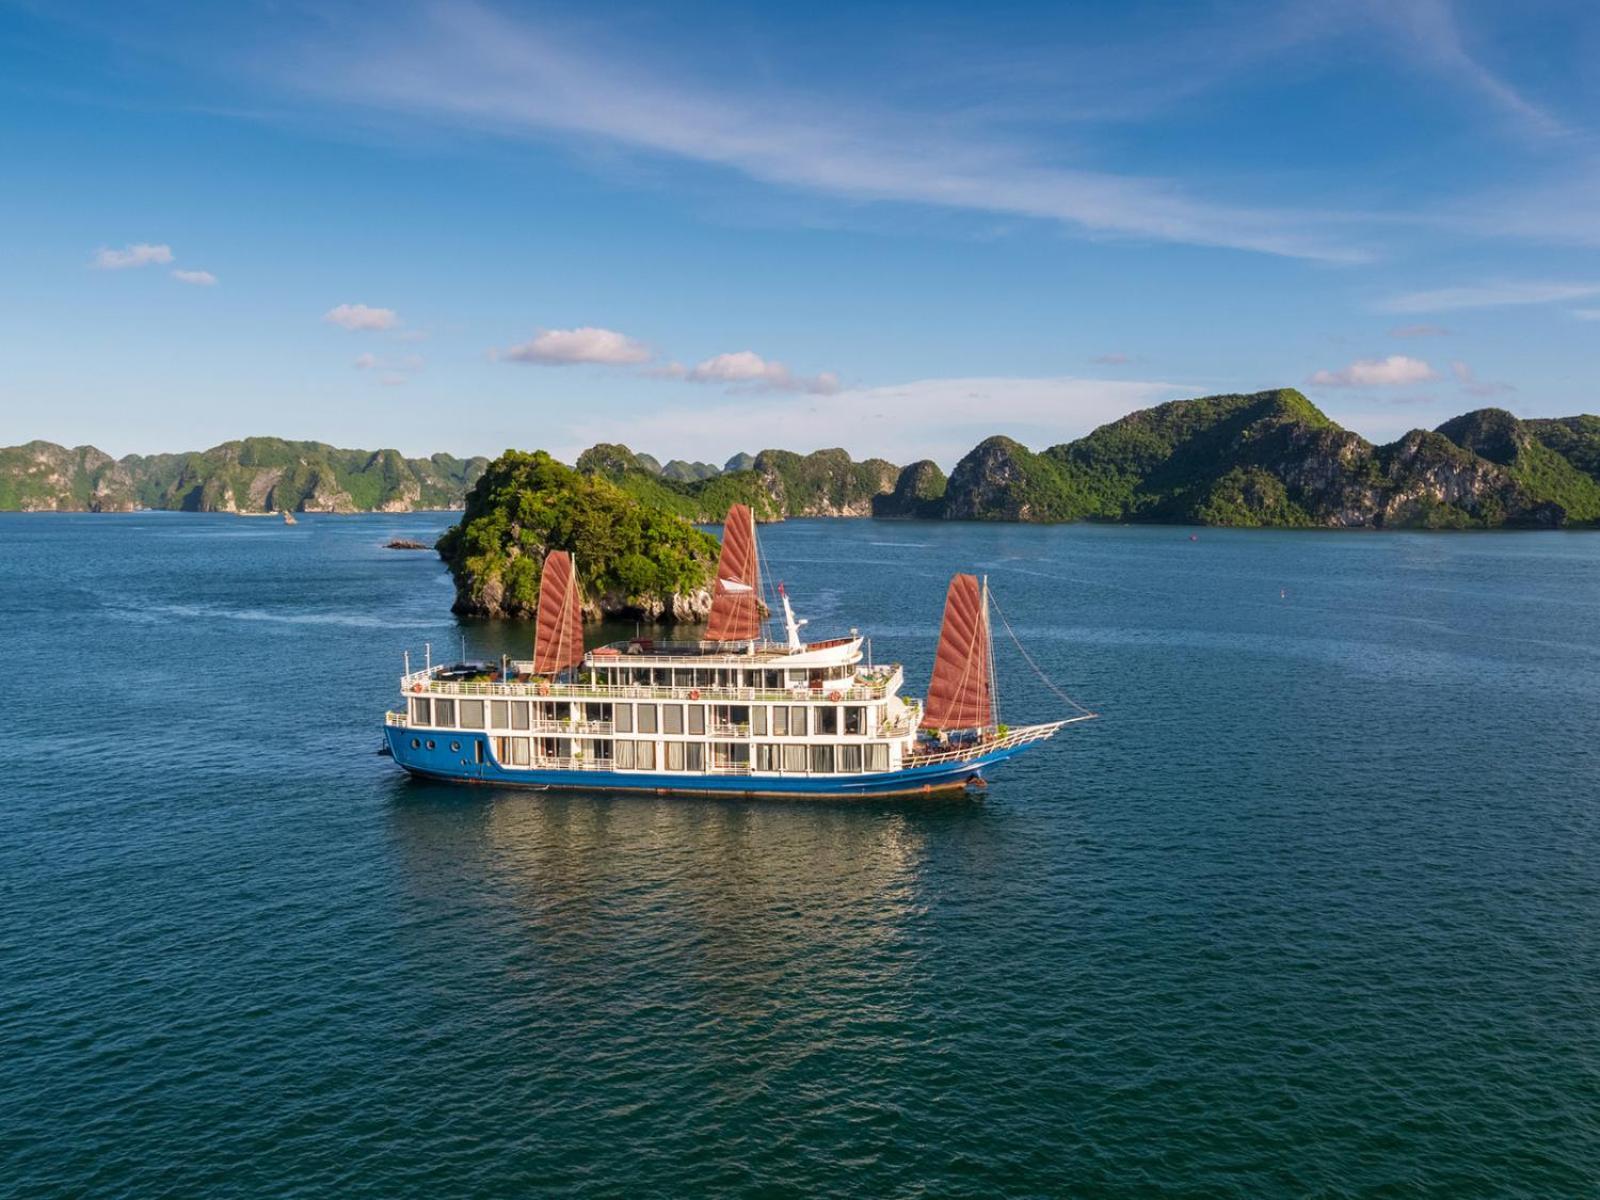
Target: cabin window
[794, 759]
[421, 713]
[739, 714]
[672, 718]
[519, 714]
[828, 720]
[622, 714]
[855, 720]
[730, 754]
[499, 714]
[644, 756]
[758, 721]
[683, 678]
[519, 752]
[674, 756]
[645, 721]
[772, 679]
[444, 712]
[472, 714]
[877, 756]
[767, 757]
[624, 759]
[780, 720]
[849, 760]
[597, 712]
[697, 718]
[797, 720]
[704, 677]
[822, 760]
[694, 756]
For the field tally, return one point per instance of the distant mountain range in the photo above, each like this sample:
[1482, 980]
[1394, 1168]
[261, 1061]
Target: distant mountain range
[1270, 458]
[253, 475]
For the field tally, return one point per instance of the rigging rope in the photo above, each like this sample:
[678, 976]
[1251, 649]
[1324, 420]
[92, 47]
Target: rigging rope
[1037, 670]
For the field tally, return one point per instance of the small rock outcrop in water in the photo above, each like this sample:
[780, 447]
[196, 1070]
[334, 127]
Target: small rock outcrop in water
[634, 560]
[405, 544]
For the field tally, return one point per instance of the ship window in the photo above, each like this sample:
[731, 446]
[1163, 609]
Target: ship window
[455, 747]
[472, 714]
[600, 749]
[597, 712]
[444, 712]
[672, 718]
[416, 743]
[730, 754]
[519, 752]
[794, 759]
[499, 714]
[674, 756]
[780, 720]
[767, 757]
[855, 720]
[625, 756]
[697, 718]
[430, 744]
[739, 714]
[797, 720]
[644, 756]
[828, 720]
[758, 721]
[683, 678]
[623, 716]
[822, 760]
[877, 756]
[420, 714]
[704, 677]
[646, 720]
[772, 679]
[849, 759]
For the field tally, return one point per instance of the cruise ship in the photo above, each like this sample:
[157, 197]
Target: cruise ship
[733, 713]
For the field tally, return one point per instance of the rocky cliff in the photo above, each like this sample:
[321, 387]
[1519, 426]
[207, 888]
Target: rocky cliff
[918, 492]
[252, 475]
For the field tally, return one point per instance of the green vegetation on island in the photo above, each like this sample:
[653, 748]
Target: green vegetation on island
[633, 558]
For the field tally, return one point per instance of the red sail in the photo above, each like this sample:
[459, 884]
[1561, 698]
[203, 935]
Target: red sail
[558, 636]
[736, 596]
[960, 695]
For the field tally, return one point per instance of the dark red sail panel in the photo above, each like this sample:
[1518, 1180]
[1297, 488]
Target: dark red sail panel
[736, 594]
[558, 635]
[959, 695]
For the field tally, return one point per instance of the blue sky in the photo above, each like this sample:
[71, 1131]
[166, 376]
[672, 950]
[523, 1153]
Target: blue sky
[468, 225]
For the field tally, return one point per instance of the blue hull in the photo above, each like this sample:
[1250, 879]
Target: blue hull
[461, 765]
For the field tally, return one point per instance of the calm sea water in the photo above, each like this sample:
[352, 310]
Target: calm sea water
[1314, 910]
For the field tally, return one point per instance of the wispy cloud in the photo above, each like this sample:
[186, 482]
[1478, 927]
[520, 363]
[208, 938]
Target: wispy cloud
[139, 254]
[466, 65]
[360, 318]
[1473, 386]
[1395, 371]
[1418, 331]
[1503, 294]
[198, 278]
[747, 369]
[564, 347]
[1587, 314]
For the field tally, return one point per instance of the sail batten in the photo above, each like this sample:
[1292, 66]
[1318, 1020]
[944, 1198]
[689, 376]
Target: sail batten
[558, 633]
[961, 692]
[735, 596]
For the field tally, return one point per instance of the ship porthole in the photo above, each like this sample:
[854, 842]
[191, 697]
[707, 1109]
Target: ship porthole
[416, 743]
[430, 743]
[455, 747]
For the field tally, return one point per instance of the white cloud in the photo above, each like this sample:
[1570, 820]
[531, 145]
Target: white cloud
[140, 254]
[950, 417]
[1417, 331]
[467, 65]
[563, 347]
[745, 368]
[1394, 371]
[198, 278]
[361, 318]
[1488, 295]
[404, 365]
[365, 362]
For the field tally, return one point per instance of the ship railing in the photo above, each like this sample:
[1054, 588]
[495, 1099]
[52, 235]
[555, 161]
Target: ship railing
[412, 685]
[1015, 736]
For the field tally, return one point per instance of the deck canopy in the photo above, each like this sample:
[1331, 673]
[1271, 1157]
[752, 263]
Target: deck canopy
[961, 694]
[558, 634]
[736, 595]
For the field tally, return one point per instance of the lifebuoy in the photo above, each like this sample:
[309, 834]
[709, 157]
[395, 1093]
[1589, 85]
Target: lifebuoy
[835, 697]
[694, 693]
[416, 687]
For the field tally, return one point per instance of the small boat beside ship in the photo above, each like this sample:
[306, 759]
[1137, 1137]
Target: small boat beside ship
[731, 713]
